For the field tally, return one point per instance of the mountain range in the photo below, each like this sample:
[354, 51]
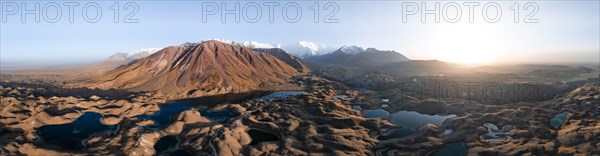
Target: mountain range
[133, 55]
[300, 49]
[357, 56]
[214, 67]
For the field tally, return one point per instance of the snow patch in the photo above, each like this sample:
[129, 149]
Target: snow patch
[352, 49]
[254, 44]
[307, 48]
[149, 51]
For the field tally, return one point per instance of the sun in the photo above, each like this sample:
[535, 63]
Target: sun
[468, 43]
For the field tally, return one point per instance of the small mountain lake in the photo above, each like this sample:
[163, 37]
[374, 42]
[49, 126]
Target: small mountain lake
[284, 95]
[70, 136]
[558, 120]
[375, 113]
[453, 149]
[396, 133]
[414, 120]
[219, 116]
[168, 111]
[357, 107]
[408, 120]
[344, 97]
[165, 115]
[259, 136]
[169, 145]
[171, 109]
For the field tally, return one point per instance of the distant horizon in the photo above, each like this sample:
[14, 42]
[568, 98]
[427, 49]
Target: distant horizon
[566, 30]
[591, 55]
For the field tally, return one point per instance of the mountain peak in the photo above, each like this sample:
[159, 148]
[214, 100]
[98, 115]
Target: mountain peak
[200, 69]
[133, 55]
[351, 49]
[255, 44]
[305, 49]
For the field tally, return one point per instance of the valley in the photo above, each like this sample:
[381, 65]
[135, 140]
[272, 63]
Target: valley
[219, 98]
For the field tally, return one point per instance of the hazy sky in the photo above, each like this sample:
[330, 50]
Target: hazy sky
[566, 31]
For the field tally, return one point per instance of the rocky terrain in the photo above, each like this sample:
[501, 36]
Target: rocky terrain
[312, 124]
[25, 109]
[309, 124]
[286, 57]
[208, 98]
[532, 133]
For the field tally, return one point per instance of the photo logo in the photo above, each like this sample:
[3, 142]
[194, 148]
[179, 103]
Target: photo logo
[453, 12]
[253, 12]
[53, 12]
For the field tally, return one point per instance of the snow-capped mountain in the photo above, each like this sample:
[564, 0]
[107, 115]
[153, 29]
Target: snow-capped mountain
[256, 45]
[351, 49]
[299, 49]
[305, 49]
[357, 56]
[250, 44]
[141, 53]
[133, 55]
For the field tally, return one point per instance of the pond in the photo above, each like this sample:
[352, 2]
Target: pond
[414, 120]
[169, 145]
[453, 149]
[386, 152]
[259, 136]
[170, 109]
[410, 121]
[375, 113]
[396, 133]
[357, 107]
[496, 135]
[219, 116]
[343, 97]
[284, 95]
[559, 119]
[70, 136]
[165, 115]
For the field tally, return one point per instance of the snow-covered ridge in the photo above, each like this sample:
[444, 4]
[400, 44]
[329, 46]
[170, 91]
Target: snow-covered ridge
[351, 49]
[300, 49]
[250, 44]
[149, 51]
[132, 55]
[254, 44]
[310, 45]
[307, 48]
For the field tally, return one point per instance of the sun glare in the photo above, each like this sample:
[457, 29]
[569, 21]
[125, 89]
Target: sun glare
[468, 43]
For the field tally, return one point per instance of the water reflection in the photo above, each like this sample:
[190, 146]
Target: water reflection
[283, 95]
[375, 113]
[169, 146]
[454, 149]
[71, 136]
[559, 119]
[259, 136]
[414, 120]
[219, 116]
[410, 121]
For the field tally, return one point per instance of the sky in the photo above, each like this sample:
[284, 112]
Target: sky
[562, 31]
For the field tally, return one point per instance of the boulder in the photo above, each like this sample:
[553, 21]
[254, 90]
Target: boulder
[192, 116]
[175, 128]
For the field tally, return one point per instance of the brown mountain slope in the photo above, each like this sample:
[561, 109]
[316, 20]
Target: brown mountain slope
[285, 57]
[199, 69]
